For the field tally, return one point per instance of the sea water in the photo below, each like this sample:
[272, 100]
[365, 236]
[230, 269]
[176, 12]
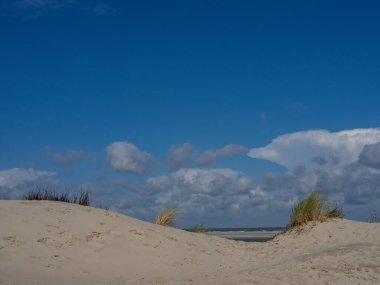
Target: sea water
[246, 234]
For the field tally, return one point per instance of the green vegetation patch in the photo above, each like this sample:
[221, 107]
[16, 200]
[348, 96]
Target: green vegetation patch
[45, 194]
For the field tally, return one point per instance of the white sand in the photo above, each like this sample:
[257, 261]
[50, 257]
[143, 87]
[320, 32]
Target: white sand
[45, 242]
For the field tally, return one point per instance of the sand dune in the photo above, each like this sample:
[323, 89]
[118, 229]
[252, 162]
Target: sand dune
[45, 242]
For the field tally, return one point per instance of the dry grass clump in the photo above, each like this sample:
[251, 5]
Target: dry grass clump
[166, 217]
[46, 194]
[335, 212]
[313, 208]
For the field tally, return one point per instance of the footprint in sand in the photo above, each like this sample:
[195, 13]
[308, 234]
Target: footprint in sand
[136, 232]
[64, 239]
[94, 235]
[49, 242]
[12, 240]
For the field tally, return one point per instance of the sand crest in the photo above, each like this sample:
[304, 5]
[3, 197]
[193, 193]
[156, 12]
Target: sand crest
[43, 242]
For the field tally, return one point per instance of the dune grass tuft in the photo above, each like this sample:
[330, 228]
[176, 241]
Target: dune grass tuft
[335, 212]
[166, 217]
[84, 199]
[46, 194]
[313, 208]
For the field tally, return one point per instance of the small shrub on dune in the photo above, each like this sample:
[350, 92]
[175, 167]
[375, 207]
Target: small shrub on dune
[313, 208]
[49, 195]
[166, 217]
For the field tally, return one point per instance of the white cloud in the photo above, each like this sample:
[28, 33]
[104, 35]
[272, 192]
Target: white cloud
[317, 147]
[14, 182]
[370, 156]
[198, 190]
[184, 179]
[351, 178]
[125, 156]
[212, 181]
[219, 196]
[11, 178]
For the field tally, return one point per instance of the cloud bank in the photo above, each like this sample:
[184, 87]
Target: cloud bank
[370, 156]
[196, 190]
[14, 181]
[317, 148]
[12, 178]
[344, 165]
[125, 156]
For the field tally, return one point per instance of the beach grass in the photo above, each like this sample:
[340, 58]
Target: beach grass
[50, 195]
[166, 217]
[313, 208]
[335, 212]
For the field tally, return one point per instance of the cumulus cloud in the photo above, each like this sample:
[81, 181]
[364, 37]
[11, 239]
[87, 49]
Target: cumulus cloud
[13, 180]
[125, 156]
[317, 147]
[69, 157]
[211, 181]
[370, 156]
[197, 191]
[17, 176]
[344, 165]
[201, 195]
[184, 156]
[353, 184]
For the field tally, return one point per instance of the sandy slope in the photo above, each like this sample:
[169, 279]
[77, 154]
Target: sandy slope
[45, 242]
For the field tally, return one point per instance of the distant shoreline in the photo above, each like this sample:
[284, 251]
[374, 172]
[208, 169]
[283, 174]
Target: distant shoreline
[247, 236]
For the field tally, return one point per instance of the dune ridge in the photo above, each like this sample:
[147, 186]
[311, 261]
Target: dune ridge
[44, 242]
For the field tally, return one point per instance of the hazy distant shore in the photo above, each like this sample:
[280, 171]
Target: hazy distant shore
[248, 236]
[44, 242]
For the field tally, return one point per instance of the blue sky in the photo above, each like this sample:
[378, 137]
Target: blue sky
[229, 110]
